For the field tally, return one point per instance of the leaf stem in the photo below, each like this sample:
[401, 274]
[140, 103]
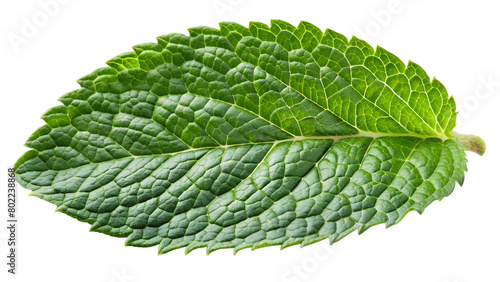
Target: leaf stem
[471, 142]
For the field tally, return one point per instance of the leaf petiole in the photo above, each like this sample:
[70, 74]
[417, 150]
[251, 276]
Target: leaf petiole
[471, 142]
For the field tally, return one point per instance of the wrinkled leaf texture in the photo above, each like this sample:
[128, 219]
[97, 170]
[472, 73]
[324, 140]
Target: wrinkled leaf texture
[244, 138]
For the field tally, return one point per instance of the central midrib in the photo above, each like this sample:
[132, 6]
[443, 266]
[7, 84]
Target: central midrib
[295, 139]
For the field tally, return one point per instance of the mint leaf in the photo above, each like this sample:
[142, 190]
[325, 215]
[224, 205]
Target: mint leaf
[245, 138]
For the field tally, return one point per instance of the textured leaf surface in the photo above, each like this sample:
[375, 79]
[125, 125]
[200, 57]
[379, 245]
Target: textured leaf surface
[246, 137]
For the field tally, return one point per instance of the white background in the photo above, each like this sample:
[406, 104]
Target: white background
[456, 240]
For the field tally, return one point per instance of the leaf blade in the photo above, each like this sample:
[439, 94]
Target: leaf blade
[216, 107]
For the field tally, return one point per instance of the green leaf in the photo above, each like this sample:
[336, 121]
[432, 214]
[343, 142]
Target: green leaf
[246, 138]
